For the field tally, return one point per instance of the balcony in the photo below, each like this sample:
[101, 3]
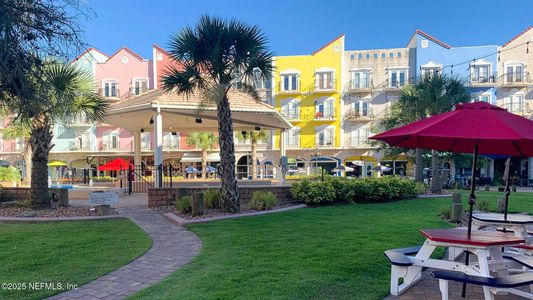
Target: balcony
[362, 87]
[109, 93]
[78, 147]
[110, 147]
[137, 91]
[358, 143]
[483, 80]
[358, 115]
[522, 109]
[320, 116]
[12, 147]
[294, 117]
[329, 87]
[170, 147]
[325, 144]
[514, 79]
[80, 121]
[289, 90]
[395, 86]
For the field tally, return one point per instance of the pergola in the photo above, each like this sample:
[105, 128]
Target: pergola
[160, 111]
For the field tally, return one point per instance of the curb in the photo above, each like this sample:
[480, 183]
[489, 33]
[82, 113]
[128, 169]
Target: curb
[56, 219]
[179, 221]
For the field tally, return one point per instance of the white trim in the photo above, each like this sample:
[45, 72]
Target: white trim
[481, 62]
[290, 71]
[325, 69]
[398, 67]
[431, 64]
[154, 67]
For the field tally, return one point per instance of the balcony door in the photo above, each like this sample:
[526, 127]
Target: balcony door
[514, 73]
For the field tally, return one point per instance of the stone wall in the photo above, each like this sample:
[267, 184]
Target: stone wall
[24, 193]
[167, 196]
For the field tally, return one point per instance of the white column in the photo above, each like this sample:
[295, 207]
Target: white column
[282, 152]
[491, 170]
[137, 148]
[158, 140]
[530, 168]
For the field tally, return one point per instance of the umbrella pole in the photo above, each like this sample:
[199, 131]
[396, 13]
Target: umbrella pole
[507, 190]
[471, 202]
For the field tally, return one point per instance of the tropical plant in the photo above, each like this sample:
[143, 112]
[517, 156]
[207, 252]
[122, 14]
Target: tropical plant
[16, 130]
[211, 198]
[214, 57]
[263, 200]
[183, 204]
[62, 92]
[204, 141]
[9, 173]
[254, 136]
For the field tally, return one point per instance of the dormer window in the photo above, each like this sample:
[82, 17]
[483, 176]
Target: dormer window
[431, 69]
[360, 79]
[481, 72]
[397, 78]
[110, 89]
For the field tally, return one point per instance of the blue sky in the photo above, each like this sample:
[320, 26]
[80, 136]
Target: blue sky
[300, 27]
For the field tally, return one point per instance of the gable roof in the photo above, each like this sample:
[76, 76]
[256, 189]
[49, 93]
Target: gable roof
[518, 35]
[160, 49]
[433, 39]
[137, 56]
[321, 48]
[87, 51]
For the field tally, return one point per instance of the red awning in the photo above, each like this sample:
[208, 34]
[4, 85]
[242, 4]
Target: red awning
[115, 165]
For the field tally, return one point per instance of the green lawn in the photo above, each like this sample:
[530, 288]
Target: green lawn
[68, 252]
[518, 202]
[312, 253]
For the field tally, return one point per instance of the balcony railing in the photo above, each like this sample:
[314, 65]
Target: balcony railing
[320, 116]
[170, 146]
[109, 93]
[324, 88]
[358, 115]
[83, 147]
[8, 147]
[358, 143]
[136, 91]
[324, 144]
[360, 86]
[292, 116]
[483, 80]
[110, 147]
[293, 90]
[514, 79]
[396, 85]
[522, 109]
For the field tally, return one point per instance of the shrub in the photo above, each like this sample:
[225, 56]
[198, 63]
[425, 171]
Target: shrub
[445, 213]
[262, 200]
[9, 174]
[313, 192]
[183, 204]
[483, 205]
[212, 198]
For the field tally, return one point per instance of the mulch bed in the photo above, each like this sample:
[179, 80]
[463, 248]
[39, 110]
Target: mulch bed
[27, 212]
[211, 213]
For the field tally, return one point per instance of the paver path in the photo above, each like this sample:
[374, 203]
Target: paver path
[172, 248]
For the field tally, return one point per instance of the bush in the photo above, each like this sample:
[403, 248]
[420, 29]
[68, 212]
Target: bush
[344, 190]
[183, 204]
[262, 200]
[212, 198]
[9, 174]
[483, 205]
[445, 213]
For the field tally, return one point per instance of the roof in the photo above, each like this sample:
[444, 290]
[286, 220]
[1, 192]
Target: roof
[87, 51]
[129, 51]
[342, 35]
[434, 39]
[518, 35]
[160, 49]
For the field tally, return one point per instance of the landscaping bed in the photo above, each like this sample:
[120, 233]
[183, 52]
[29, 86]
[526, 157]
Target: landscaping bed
[14, 210]
[214, 212]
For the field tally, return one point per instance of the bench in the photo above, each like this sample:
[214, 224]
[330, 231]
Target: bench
[524, 260]
[399, 264]
[508, 282]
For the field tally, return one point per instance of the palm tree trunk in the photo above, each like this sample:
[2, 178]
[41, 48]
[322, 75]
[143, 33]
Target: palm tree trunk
[254, 160]
[419, 166]
[204, 163]
[41, 143]
[436, 180]
[229, 191]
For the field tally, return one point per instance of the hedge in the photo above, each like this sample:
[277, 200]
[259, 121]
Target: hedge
[346, 190]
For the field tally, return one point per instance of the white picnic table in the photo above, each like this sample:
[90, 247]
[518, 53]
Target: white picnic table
[516, 223]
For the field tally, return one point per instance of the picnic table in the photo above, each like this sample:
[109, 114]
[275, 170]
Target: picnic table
[486, 245]
[515, 223]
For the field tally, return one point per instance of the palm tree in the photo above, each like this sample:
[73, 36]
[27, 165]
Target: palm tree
[215, 56]
[204, 141]
[254, 136]
[64, 91]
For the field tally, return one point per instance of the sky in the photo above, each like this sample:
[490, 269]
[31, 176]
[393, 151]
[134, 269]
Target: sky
[301, 27]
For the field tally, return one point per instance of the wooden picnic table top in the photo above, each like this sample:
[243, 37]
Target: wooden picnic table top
[518, 219]
[459, 236]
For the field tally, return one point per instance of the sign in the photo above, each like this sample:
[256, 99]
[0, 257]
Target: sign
[103, 198]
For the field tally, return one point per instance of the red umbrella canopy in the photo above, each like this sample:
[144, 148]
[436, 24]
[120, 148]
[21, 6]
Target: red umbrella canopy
[493, 129]
[115, 165]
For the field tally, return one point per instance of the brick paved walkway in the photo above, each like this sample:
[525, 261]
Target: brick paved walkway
[172, 248]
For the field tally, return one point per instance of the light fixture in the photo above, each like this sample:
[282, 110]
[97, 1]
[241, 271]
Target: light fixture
[142, 130]
[244, 133]
[174, 133]
[257, 128]
[198, 120]
[151, 121]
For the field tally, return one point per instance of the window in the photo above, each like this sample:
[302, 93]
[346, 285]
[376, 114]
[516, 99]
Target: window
[324, 137]
[110, 89]
[139, 87]
[514, 103]
[289, 82]
[375, 55]
[83, 142]
[367, 55]
[361, 79]
[480, 73]
[171, 140]
[325, 110]
[482, 98]
[145, 141]
[383, 55]
[260, 82]
[292, 138]
[360, 56]
[397, 78]
[361, 108]
[352, 56]
[391, 55]
[324, 80]
[514, 73]
[359, 136]
[291, 109]
[111, 141]
[399, 54]
[430, 71]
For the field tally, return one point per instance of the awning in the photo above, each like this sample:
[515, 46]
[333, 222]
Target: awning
[197, 157]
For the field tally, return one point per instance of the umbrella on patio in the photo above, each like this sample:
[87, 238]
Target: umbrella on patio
[381, 168]
[57, 164]
[478, 128]
[191, 170]
[210, 169]
[118, 164]
[342, 168]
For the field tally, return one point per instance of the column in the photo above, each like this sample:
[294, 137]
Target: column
[282, 153]
[158, 140]
[491, 170]
[137, 148]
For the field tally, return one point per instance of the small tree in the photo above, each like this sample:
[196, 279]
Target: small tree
[19, 130]
[204, 141]
[254, 136]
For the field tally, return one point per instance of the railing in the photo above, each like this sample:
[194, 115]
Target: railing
[281, 89]
[292, 116]
[514, 79]
[111, 93]
[517, 108]
[319, 116]
[325, 144]
[361, 86]
[84, 147]
[396, 85]
[483, 80]
[328, 87]
[358, 143]
[136, 91]
[110, 147]
[169, 147]
[357, 115]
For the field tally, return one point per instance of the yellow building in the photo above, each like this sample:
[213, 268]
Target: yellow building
[307, 90]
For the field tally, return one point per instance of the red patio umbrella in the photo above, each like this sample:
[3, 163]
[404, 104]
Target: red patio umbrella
[118, 164]
[478, 128]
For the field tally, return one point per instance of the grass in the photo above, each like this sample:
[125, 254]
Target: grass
[518, 202]
[74, 252]
[313, 253]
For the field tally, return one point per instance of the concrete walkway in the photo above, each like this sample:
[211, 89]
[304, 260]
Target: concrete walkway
[172, 248]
